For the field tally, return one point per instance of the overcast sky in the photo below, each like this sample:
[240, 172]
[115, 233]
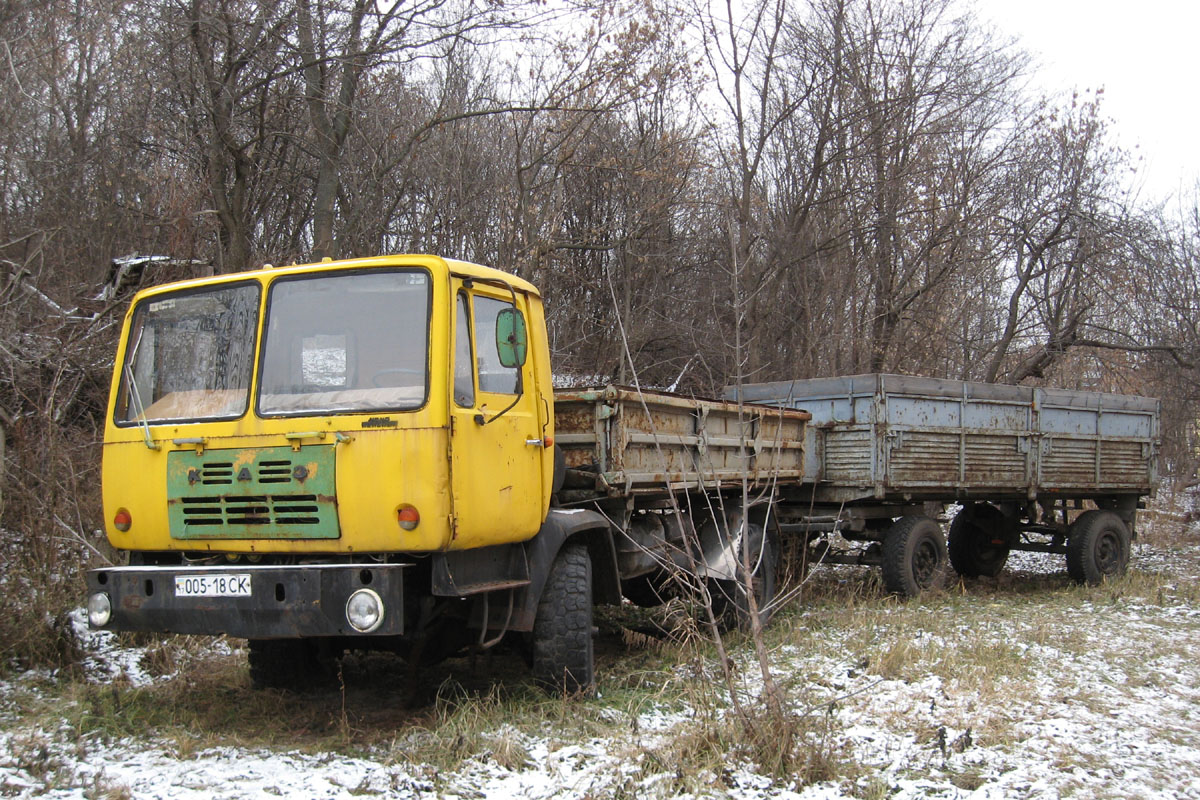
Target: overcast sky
[1145, 56]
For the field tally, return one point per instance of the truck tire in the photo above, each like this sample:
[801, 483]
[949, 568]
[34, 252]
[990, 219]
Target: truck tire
[563, 651]
[1097, 547]
[293, 664]
[730, 597]
[979, 541]
[914, 557]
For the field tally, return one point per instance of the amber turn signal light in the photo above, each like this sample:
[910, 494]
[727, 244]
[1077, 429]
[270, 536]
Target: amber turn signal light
[408, 518]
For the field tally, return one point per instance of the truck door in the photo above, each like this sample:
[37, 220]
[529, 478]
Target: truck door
[496, 431]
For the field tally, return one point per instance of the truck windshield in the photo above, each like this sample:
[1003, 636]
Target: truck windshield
[189, 356]
[346, 342]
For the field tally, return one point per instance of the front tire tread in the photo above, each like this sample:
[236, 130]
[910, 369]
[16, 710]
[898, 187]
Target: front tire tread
[563, 648]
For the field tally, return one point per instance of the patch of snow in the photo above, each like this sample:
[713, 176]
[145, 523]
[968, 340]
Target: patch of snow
[106, 660]
[1109, 706]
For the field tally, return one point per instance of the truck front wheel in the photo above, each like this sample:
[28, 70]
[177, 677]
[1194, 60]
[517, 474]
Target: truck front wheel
[563, 652]
[1097, 547]
[914, 557]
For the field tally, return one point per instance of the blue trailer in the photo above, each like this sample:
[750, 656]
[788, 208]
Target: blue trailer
[1044, 470]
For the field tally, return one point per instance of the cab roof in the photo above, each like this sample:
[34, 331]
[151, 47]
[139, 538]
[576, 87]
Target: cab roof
[437, 263]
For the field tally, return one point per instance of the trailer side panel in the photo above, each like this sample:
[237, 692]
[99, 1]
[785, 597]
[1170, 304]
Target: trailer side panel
[646, 443]
[886, 437]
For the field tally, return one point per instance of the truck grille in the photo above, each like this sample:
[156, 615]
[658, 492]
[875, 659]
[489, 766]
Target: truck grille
[255, 493]
[299, 509]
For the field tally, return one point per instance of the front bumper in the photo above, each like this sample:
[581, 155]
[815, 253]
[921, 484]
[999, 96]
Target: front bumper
[284, 601]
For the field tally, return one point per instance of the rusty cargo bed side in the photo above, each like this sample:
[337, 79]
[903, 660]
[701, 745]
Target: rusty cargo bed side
[881, 437]
[619, 442]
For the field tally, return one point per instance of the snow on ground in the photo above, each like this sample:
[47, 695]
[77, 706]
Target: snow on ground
[1127, 741]
[1113, 711]
[104, 660]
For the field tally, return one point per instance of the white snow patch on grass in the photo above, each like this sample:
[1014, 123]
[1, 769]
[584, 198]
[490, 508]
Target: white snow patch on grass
[1098, 696]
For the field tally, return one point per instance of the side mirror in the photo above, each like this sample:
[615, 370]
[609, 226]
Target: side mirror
[512, 339]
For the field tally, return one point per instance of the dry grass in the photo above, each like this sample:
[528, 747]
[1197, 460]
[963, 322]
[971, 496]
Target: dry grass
[1169, 519]
[37, 591]
[978, 647]
[52, 771]
[51, 509]
[794, 749]
[986, 641]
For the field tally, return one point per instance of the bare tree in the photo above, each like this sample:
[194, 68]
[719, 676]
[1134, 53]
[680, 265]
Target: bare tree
[927, 96]
[237, 102]
[1062, 228]
[338, 43]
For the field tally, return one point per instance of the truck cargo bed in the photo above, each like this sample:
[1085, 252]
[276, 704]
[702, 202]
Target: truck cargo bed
[619, 441]
[886, 437]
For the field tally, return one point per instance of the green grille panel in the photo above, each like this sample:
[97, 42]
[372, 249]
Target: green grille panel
[256, 493]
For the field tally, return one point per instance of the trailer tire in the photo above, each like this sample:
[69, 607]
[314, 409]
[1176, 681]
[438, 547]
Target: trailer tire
[979, 541]
[292, 664]
[730, 597]
[563, 650]
[1097, 547]
[914, 557]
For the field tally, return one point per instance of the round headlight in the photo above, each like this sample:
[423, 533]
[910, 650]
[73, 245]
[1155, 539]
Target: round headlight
[364, 611]
[99, 609]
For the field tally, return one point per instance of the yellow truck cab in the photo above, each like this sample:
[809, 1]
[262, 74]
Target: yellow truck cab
[344, 454]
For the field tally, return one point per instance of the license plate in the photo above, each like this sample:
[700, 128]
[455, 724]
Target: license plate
[212, 585]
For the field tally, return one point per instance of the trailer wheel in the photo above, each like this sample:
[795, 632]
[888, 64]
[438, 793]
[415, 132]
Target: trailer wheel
[563, 652]
[293, 664]
[1097, 547]
[730, 597]
[914, 557]
[979, 541]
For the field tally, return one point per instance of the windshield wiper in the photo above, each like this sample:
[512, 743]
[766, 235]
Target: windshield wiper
[136, 396]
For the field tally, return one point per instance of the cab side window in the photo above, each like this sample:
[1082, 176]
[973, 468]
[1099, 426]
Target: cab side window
[464, 363]
[493, 376]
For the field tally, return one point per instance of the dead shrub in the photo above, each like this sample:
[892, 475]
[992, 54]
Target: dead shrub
[52, 505]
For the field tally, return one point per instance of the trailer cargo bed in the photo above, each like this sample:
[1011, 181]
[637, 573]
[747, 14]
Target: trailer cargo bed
[620, 442]
[890, 437]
